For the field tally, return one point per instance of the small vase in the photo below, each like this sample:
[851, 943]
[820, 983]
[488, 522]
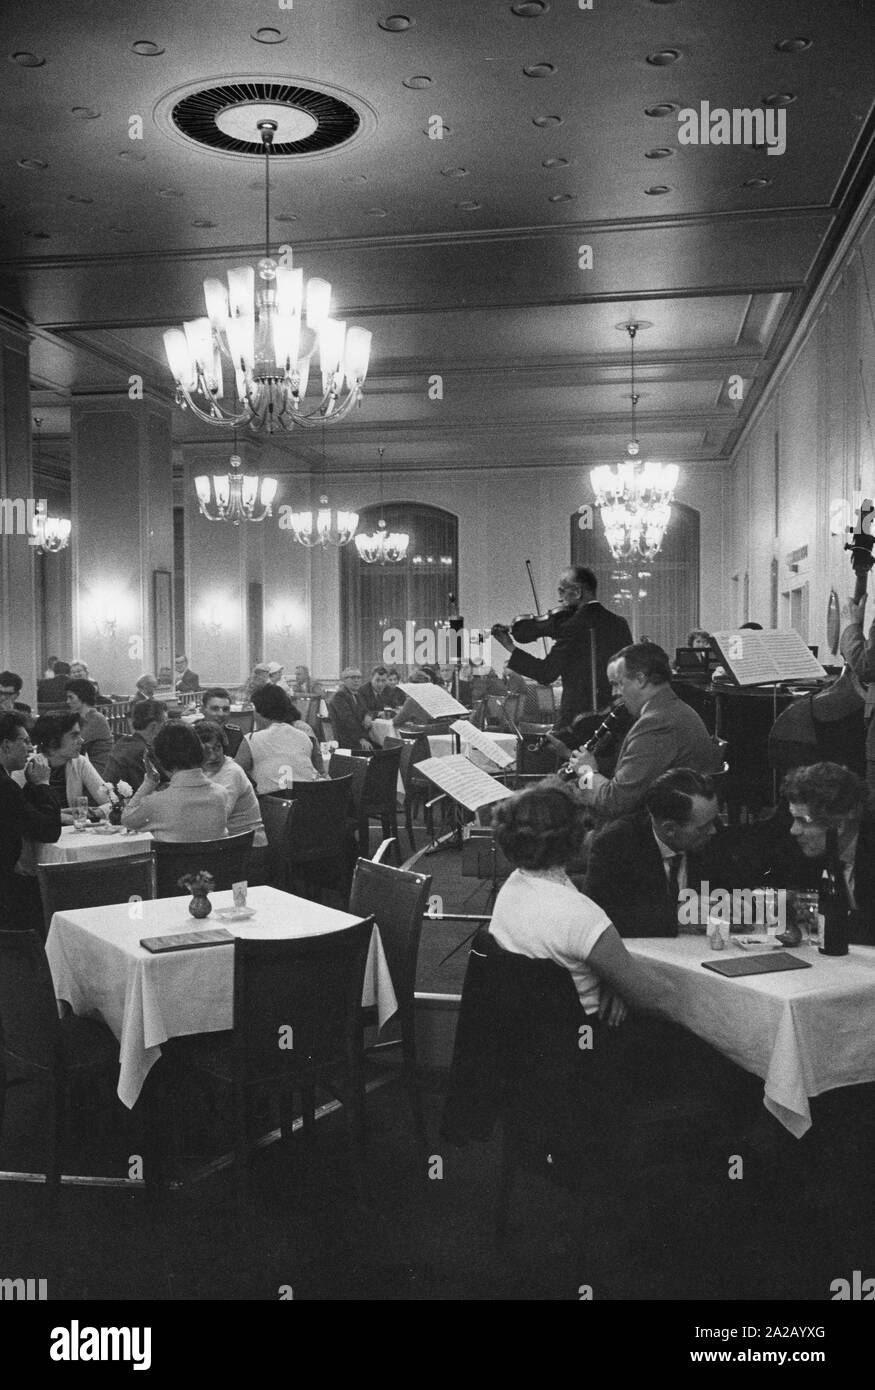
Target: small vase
[115, 815]
[200, 906]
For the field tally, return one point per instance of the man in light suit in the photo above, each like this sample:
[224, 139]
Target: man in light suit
[666, 733]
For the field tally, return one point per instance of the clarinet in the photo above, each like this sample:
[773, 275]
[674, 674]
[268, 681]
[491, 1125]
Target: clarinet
[568, 771]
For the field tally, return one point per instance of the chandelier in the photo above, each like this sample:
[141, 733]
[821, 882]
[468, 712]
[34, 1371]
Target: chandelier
[235, 495]
[258, 322]
[327, 526]
[48, 534]
[382, 547]
[634, 498]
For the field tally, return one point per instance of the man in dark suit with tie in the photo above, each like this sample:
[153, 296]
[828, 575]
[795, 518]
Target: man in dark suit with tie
[586, 642]
[638, 867]
[186, 679]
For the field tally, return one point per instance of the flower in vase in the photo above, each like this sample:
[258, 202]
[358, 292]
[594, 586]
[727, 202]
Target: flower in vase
[198, 884]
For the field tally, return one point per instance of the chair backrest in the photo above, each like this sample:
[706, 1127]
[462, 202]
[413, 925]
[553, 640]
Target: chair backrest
[297, 1002]
[96, 883]
[405, 758]
[380, 787]
[277, 814]
[227, 860]
[318, 831]
[396, 899]
[29, 1026]
[245, 720]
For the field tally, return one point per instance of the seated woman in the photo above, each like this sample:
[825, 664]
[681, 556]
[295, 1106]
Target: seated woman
[699, 638]
[177, 801]
[97, 737]
[539, 913]
[243, 813]
[279, 752]
[58, 737]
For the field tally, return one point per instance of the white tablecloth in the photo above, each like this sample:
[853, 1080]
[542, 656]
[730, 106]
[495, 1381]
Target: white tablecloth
[803, 1031]
[76, 845]
[101, 970]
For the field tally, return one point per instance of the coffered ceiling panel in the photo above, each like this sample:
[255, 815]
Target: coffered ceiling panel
[559, 130]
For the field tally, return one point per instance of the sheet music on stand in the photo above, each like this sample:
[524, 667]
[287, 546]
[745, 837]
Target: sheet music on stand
[766, 658]
[461, 780]
[484, 743]
[436, 702]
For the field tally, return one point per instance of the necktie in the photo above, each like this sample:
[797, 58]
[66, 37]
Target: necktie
[674, 869]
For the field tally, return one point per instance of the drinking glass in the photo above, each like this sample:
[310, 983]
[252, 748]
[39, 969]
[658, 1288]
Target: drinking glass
[79, 807]
[803, 906]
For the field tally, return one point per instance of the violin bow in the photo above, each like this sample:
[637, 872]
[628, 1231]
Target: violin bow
[535, 597]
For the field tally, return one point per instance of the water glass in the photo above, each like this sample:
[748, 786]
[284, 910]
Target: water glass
[79, 807]
[803, 905]
[718, 933]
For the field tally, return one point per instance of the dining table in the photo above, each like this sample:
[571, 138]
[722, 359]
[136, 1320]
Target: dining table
[77, 846]
[101, 970]
[803, 1031]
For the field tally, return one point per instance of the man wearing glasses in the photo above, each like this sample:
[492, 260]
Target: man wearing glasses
[586, 641]
[28, 812]
[10, 686]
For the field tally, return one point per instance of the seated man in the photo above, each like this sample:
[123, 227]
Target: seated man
[10, 686]
[97, 737]
[177, 801]
[216, 706]
[126, 761]
[392, 696]
[186, 678]
[258, 678]
[53, 690]
[146, 687]
[826, 796]
[349, 724]
[638, 865]
[27, 813]
[79, 672]
[666, 733]
[370, 695]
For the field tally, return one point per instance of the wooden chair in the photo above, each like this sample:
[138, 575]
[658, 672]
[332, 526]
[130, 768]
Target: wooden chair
[396, 900]
[60, 1054]
[227, 860]
[96, 883]
[413, 789]
[374, 790]
[315, 841]
[297, 1025]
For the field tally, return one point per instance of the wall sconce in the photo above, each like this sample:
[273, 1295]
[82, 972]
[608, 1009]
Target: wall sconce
[107, 621]
[288, 617]
[214, 621]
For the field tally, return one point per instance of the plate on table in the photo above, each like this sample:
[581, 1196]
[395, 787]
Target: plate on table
[107, 829]
[757, 943]
[235, 914]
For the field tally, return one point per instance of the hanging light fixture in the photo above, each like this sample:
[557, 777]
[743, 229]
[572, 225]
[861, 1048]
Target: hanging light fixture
[634, 498]
[49, 534]
[326, 526]
[382, 547]
[259, 323]
[235, 496]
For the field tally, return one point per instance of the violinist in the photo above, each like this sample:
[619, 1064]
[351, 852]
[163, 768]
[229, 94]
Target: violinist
[586, 637]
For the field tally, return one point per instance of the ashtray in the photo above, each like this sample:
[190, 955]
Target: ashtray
[235, 914]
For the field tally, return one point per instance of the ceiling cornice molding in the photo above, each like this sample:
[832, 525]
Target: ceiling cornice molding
[427, 240]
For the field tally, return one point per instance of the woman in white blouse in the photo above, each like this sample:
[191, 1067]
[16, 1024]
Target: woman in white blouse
[539, 912]
[278, 754]
[243, 812]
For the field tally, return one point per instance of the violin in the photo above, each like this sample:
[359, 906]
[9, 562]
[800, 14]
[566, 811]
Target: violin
[861, 546]
[528, 627]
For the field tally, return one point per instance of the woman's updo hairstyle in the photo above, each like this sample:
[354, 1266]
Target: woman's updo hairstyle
[541, 827]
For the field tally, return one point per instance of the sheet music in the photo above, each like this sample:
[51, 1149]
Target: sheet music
[464, 782]
[761, 658]
[436, 701]
[484, 743]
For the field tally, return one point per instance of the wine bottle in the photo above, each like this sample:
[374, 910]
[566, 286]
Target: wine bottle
[834, 907]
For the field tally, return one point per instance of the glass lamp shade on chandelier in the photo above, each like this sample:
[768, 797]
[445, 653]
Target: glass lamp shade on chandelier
[326, 526]
[48, 534]
[382, 547]
[634, 498]
[270, 324]
[235, 496]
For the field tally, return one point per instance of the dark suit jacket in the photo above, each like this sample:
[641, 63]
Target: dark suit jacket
[30, 812]
[52, 691]
[346, 718]
[125, 762]
[369, 702]
[625, 876]
[570, 658]
[189, 680]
